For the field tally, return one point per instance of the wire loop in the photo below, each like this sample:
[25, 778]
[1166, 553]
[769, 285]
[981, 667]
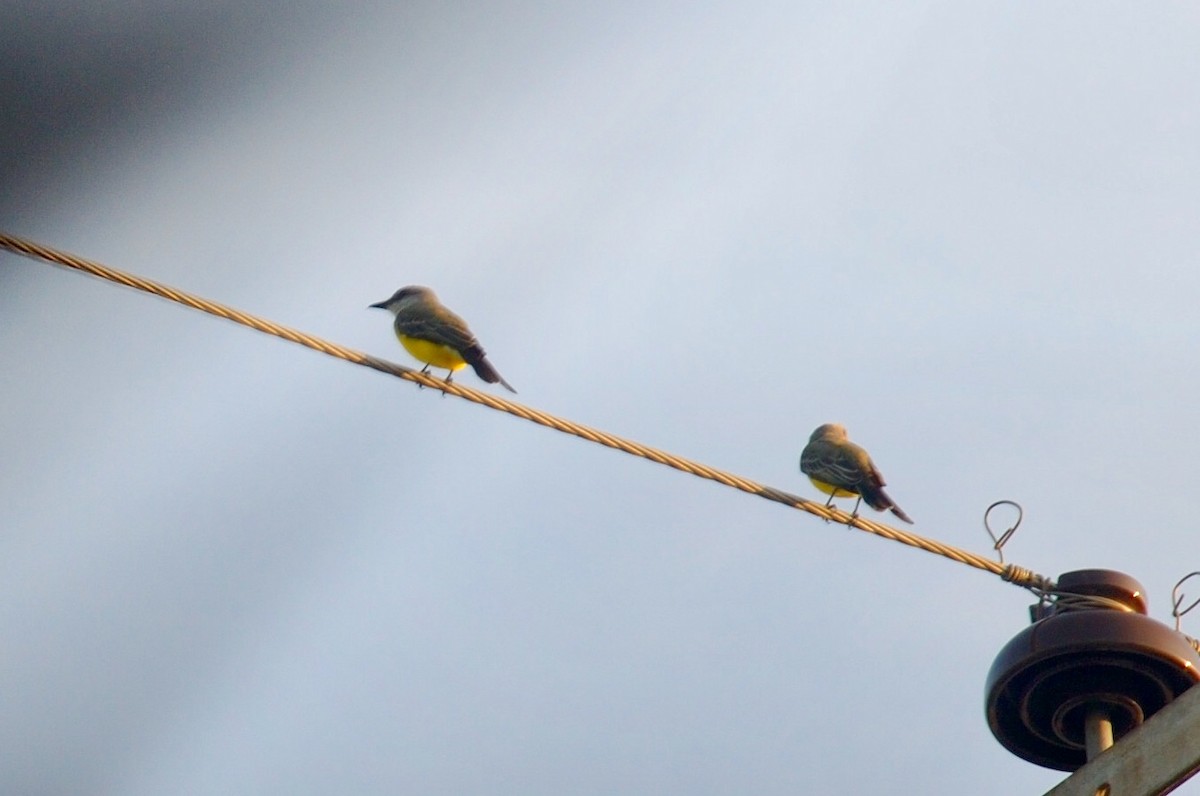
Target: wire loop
[1177, 599]
[998, 542]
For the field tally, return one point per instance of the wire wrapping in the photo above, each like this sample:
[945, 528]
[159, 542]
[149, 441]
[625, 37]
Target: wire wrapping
[1010, 573]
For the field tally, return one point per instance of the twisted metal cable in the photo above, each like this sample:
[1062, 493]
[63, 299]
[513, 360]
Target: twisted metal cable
[1008, 572]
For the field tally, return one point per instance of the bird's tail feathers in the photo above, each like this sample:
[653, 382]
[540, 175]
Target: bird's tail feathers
[484, 369]
[881, 501]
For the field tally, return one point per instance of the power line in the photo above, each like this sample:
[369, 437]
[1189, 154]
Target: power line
[1009, 572]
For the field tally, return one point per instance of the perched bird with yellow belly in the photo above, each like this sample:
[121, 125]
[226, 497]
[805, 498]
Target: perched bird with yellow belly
[839, 468]
[436, 336]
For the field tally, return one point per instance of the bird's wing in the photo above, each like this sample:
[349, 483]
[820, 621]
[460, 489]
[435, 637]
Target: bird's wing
[439, 325]
[874, 475]
[838, 465]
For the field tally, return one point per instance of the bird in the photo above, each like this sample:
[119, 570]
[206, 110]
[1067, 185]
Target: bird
[839, 468]
[436, 336]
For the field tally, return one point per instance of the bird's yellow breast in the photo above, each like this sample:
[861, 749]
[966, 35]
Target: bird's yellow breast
[431, 353]
[830, 489]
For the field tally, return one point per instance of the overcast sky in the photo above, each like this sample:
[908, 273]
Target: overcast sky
[229, 565]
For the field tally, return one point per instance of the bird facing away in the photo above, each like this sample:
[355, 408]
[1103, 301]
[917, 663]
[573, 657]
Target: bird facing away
[839, 468]
[436, 336]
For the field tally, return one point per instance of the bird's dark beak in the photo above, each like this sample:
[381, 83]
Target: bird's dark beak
[382, 305]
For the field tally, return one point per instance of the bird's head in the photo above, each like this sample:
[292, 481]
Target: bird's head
[405, 295]
[831, 431]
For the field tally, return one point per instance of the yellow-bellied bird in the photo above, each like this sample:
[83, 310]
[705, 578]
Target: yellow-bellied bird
[436, 336]
[839, 468]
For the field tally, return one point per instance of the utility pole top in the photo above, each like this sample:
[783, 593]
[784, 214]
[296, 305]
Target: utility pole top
[1150, 760]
